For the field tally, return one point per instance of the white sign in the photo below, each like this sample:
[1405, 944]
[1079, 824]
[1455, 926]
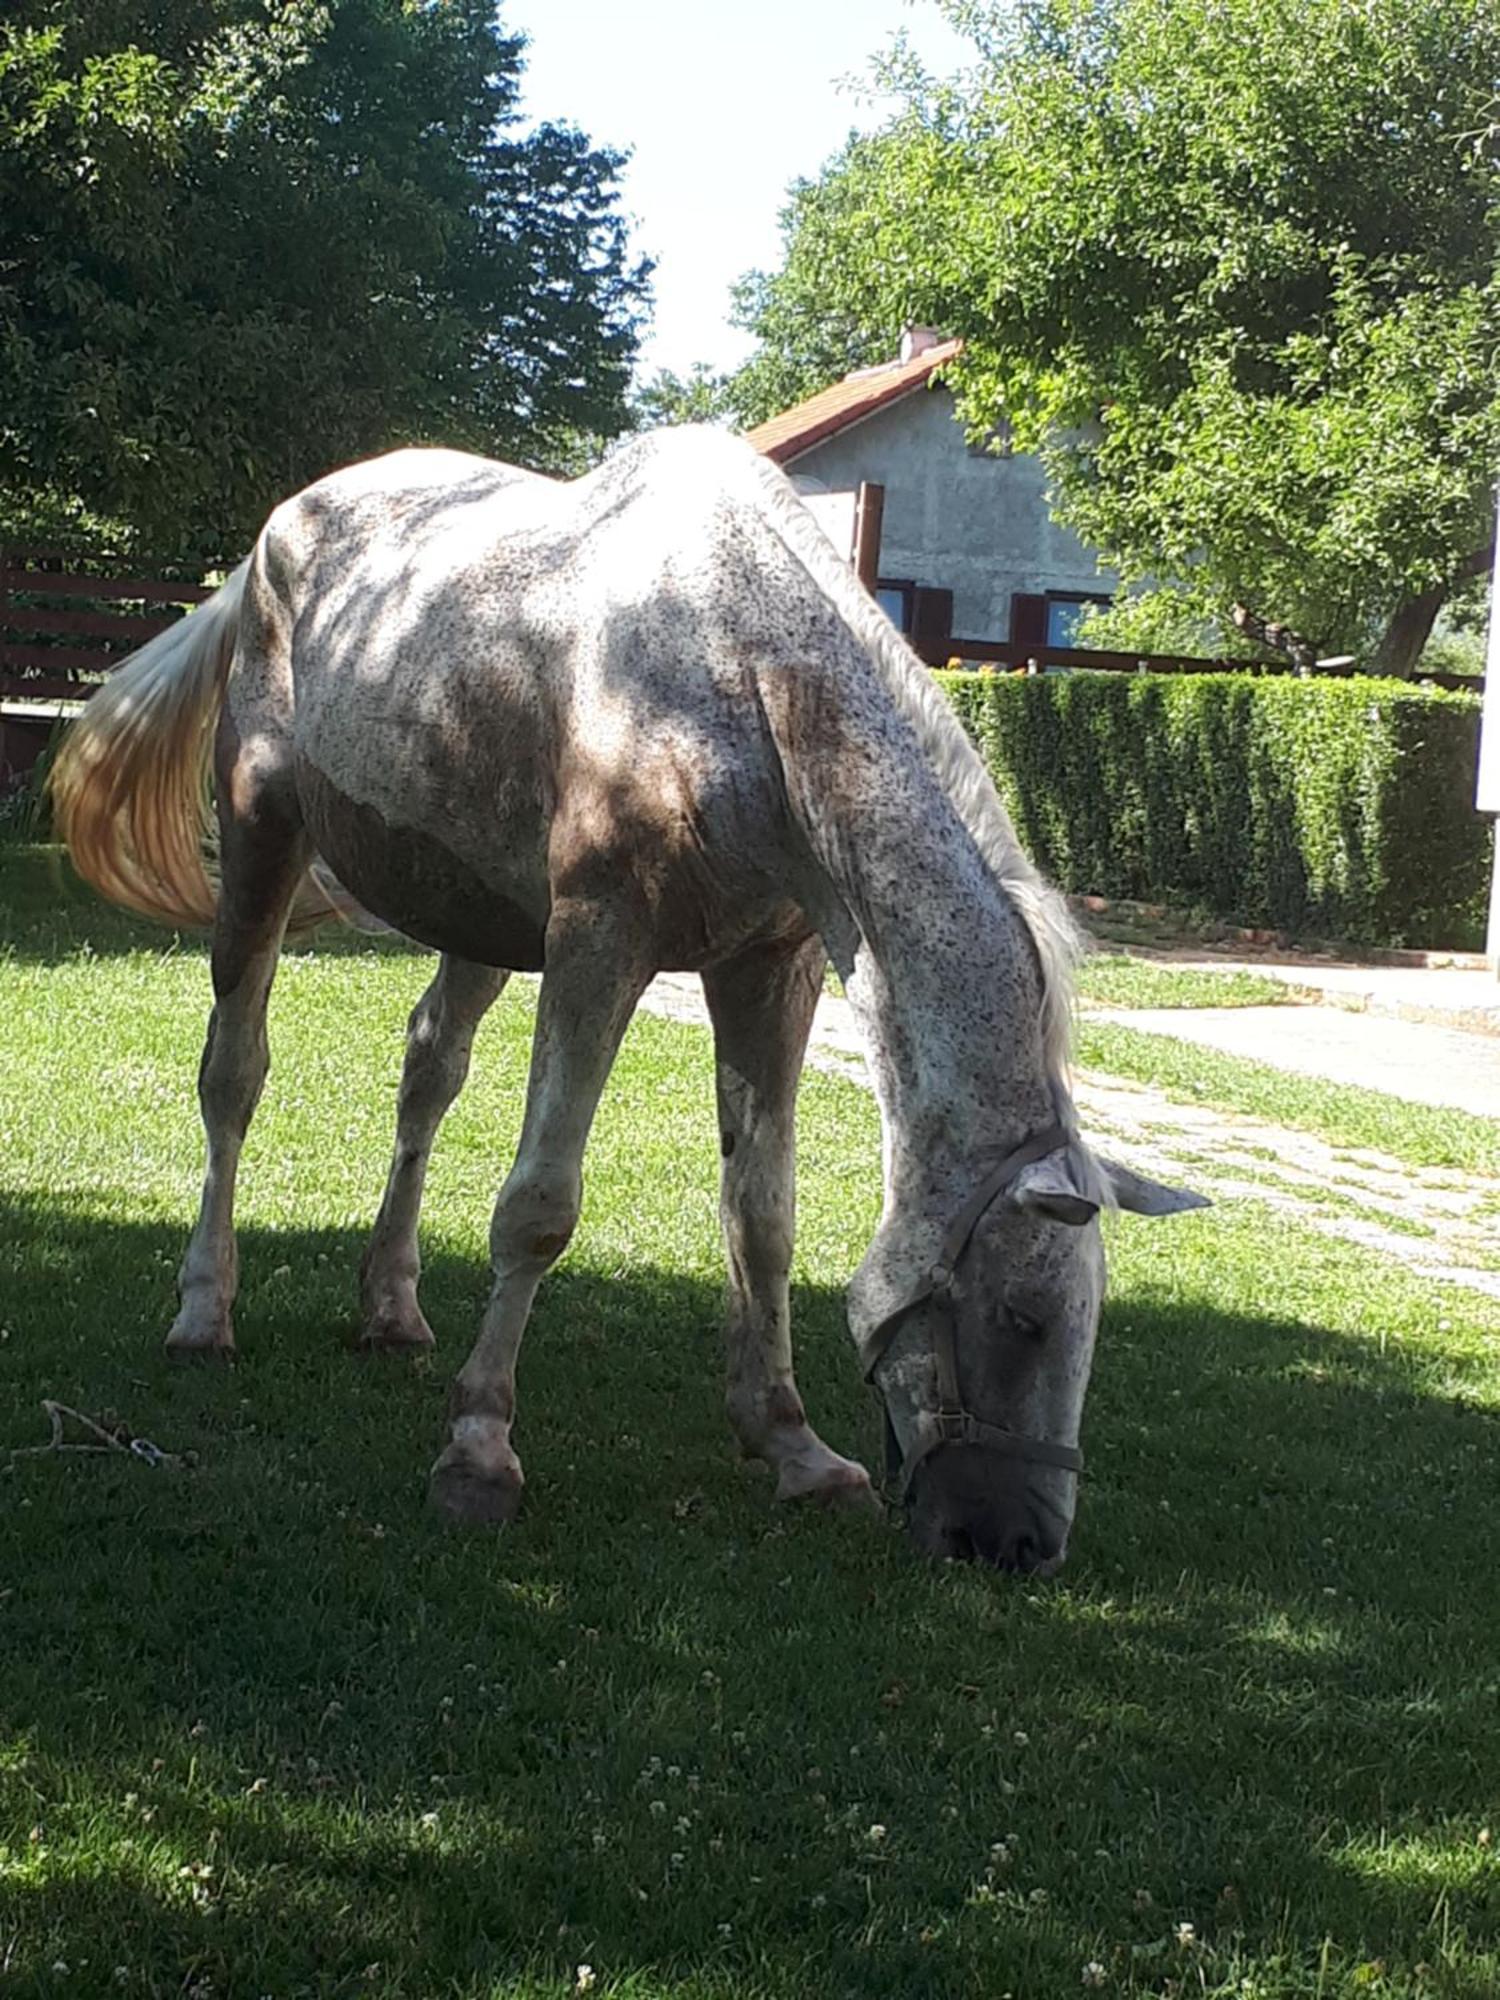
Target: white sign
[834, 514]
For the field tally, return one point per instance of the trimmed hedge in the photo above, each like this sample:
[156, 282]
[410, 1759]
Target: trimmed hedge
[1333, 808]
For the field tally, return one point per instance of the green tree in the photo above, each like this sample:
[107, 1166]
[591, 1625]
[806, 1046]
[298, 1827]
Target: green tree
[668, 398]
[832, 307]
[240, 244]
[1229, 264]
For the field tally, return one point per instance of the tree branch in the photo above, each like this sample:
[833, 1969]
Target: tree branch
[1477, 563]
[1302, 652]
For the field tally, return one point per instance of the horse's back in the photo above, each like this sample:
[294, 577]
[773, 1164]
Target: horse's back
[498, 687]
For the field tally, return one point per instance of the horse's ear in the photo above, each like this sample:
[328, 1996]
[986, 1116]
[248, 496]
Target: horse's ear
[1050, 1187]
[1143, 1196]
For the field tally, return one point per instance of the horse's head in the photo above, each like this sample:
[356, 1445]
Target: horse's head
[983, 1359]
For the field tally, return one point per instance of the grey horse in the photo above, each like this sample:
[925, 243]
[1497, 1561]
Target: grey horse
[638, 721]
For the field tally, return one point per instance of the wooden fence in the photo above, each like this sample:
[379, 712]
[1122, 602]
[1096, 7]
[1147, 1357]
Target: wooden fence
[66, 621]
[1008, 656]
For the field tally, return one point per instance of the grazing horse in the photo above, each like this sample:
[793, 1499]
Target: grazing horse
[642, 720]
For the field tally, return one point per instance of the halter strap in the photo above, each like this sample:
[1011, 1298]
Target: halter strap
[951, 1423]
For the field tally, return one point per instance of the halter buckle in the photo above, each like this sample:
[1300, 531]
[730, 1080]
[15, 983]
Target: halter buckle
[952, 1424]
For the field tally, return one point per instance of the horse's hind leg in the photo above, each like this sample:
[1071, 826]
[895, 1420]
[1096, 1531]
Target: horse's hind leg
[597, 967]
[762, 1007]
[440, 1037]
[264, 855]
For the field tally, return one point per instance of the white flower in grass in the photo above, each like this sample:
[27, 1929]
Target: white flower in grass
[1093, 1973]
[1186, 1935]
[583, 1979]
[876, 1834]
[429, 1820]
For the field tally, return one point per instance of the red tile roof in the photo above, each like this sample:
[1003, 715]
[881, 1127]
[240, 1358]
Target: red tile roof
[797, 430]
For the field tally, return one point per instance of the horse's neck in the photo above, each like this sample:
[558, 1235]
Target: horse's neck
[939, 964]
[946, 989]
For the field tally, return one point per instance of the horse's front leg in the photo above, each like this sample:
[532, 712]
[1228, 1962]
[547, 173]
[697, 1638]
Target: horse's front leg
[440, 1039]
[762, 1007]
[597, 967]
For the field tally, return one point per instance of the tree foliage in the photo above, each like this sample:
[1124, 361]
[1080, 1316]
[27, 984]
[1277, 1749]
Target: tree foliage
[1229, 264]
[667, 398]
[832, 307]
[241, 243]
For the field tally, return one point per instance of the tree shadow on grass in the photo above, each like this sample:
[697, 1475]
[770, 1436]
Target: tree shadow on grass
[654, 1727]
[48, 915]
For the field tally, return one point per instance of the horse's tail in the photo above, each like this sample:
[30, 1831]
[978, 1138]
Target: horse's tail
[131, 787]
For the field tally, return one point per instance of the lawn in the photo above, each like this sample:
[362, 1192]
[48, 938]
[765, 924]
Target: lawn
[1108, 978]
[266, 1728]
[1118, 979]
[1423, 1135]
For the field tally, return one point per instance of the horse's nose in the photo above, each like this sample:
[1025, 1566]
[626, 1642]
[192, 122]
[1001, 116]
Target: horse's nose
[989, 1513]
[1019, 1548]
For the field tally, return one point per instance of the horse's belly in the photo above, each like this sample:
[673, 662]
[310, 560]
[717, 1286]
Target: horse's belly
[416, 883]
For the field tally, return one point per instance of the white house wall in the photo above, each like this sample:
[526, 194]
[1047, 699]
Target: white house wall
[977, 525]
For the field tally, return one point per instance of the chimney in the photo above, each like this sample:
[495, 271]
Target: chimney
[917, 340]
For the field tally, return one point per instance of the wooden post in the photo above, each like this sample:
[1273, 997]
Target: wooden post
[869, 510]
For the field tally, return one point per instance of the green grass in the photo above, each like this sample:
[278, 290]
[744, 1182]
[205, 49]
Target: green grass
[266, 1728]
[1344, 1114]
[1116, 979]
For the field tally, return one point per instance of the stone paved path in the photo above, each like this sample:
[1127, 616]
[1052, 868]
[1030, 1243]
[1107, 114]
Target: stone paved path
[1438, 1222]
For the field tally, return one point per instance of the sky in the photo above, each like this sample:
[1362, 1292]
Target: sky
[721, 109]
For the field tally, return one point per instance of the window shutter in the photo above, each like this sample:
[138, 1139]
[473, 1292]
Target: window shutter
[932, 624]
[1028, 618]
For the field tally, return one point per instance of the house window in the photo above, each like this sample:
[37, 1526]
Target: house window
[896, 597]
[1064, 609]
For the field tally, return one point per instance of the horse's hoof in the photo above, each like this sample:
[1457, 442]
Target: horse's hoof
[462, 1494]
[394, 1333]
[841, 1484]
[200, 1343]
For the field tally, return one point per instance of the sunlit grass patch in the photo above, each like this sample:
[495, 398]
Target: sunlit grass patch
[1344, 1114]
[1118, 979]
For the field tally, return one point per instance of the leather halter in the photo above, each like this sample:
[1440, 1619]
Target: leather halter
[951, 1423]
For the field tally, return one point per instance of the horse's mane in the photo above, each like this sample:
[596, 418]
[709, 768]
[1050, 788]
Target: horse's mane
[947, 748]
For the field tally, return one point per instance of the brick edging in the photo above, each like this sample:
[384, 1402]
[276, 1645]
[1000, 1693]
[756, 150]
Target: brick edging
[1214, 933]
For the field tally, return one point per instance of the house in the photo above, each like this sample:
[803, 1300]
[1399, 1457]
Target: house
[968, 545]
